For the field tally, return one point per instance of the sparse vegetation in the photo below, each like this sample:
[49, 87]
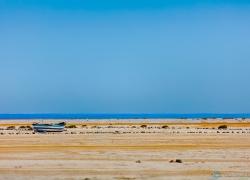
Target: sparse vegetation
[138, 161]
[165, 127]
[11, 128]
[29, 128]
[143, 126]
[70, 126]
[22, 127]
[178, 161]
[222, 127]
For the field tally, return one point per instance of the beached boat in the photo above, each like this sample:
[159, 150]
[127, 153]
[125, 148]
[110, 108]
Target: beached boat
[56, 127]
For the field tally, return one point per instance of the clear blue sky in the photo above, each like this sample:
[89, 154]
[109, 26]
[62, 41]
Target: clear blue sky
[124, 56]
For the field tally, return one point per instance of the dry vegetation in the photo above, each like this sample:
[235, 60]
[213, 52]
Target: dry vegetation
[70, 126]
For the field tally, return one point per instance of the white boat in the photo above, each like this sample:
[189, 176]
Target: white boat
[56, 127]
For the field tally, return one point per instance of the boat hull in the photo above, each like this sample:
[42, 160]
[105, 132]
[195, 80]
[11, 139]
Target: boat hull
[49, 127]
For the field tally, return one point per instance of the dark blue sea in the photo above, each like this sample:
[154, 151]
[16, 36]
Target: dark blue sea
[122, 116]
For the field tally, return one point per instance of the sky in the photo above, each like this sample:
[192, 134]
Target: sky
[124, 56]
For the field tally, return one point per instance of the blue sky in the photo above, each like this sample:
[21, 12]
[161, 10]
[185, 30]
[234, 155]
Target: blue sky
[122, 56]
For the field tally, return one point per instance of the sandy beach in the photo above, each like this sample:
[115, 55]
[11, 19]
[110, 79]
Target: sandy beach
[127, 149]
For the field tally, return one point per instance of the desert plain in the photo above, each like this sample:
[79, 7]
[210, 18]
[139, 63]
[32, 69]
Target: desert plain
[127, 150]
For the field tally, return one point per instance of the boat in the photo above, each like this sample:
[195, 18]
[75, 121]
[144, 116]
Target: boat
[53, 127]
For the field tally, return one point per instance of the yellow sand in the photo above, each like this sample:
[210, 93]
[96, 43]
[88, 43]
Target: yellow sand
[117, 150]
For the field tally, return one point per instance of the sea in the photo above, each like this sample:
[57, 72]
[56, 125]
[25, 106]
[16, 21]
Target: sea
[123, 116]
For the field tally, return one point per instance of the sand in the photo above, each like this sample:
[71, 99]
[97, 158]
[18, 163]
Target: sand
[124, 150]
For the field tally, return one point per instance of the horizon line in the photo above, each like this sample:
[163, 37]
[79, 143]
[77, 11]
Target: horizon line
[122, 115]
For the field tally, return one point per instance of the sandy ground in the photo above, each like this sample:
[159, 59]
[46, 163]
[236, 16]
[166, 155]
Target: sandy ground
[127, 150]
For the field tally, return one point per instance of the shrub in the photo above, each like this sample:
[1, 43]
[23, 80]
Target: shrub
[138, 161]
[26, 127]
[143, 126]
[165, 127]
[11, 128]
[29, 128]
[22, 127]
[70, 126]
[222, 127]
[84, 125]
[178, 161]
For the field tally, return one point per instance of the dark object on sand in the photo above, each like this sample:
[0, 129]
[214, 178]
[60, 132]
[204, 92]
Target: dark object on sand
[11, 128]
[56, 127]
[22, 127]
[165, 127]
[138, 161]
[143, 126]
[70, 126]
[28, 128]
[222, 127]
[178, 161]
